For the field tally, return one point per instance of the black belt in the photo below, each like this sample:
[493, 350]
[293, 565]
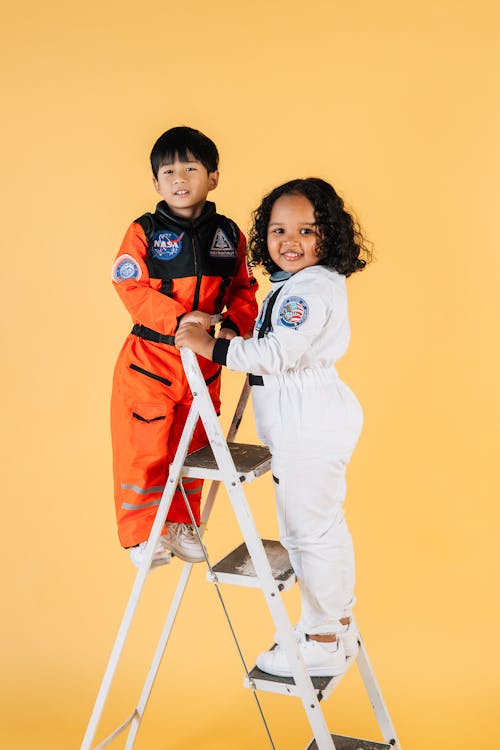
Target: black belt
[255, 379]
[150, 335]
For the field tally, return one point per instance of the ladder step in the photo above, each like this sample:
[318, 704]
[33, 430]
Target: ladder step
[269, 683]
[251, 461]
[352, 743]
[237, 567]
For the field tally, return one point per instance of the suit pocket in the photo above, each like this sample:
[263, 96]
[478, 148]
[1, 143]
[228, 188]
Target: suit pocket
[149, 430]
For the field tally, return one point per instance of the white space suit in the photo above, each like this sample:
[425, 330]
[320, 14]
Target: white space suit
[311, 422]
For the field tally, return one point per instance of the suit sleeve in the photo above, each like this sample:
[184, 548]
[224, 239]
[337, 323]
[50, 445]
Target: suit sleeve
[298, 318]
[147, 305]
[241, 305]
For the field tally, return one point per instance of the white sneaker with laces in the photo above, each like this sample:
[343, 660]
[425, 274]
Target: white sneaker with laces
[161, 555]
[183, 541]
[319, 661]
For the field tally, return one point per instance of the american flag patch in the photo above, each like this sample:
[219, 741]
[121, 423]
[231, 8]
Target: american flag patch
[293, 312]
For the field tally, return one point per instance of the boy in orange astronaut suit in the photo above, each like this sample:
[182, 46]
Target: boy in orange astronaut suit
[183, 259]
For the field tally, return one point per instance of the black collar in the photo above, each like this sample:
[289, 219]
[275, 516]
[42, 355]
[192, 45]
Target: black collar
[163, 212]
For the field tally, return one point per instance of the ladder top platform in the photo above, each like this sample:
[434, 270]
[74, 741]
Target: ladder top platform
[251, 461]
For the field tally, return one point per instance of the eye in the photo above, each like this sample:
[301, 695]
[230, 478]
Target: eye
[277, 230]
[190, 169]
[167, 171]
[307, 230]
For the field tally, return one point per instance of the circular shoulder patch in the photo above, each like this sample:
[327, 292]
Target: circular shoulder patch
[125, 268]
[166, 245]
[293, 312]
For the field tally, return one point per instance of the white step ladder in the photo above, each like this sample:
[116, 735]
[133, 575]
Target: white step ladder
[256, 563]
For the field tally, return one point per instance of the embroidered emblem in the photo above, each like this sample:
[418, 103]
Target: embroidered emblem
[125, 268]
[166, 245]
[221, 247]
[293, 312]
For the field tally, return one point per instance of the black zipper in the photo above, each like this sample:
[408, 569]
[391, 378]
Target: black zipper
[196, 298]
[150, 374]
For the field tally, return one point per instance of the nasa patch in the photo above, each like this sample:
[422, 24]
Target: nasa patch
[125, 268]
[221, 247]
[293, 312]
[166, 245]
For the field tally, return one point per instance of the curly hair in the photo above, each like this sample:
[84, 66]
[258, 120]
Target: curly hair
[341, 246]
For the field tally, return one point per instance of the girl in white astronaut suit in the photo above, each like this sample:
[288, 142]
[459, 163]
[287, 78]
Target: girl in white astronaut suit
[304, 237]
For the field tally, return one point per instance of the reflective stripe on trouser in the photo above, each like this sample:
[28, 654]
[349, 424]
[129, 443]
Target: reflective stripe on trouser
[311, 422]
[147, 419]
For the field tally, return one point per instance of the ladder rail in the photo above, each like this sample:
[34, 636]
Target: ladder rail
[158, 655]
[256, 549]
[231, 434]
[183, 582]
[139, 582]
[375, 695]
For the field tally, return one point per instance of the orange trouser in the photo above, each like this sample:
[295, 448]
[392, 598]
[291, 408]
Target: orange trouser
[147, 418]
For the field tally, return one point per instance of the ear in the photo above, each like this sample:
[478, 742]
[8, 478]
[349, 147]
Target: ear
[213, 180]
[156, 184]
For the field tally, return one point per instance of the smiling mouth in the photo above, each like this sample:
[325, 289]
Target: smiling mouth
[181, 192]
[290, 255]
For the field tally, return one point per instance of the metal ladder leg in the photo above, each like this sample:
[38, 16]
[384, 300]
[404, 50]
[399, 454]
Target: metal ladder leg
[376, 698]
[140, 580]
[323, 740]
[181, 587]
[254, 544]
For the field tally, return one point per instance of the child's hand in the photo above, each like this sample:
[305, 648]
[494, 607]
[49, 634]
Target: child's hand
[194, 336]
[226, 333]
[197, 316]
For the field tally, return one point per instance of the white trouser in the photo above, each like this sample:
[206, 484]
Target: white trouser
[311, 422]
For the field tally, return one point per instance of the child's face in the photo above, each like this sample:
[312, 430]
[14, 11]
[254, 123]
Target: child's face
[292, 237]
[184, 186]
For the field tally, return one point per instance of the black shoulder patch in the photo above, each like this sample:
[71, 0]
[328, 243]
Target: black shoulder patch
[146, 222]
[230, 228]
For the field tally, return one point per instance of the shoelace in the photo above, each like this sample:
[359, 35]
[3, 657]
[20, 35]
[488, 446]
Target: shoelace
[184, 528]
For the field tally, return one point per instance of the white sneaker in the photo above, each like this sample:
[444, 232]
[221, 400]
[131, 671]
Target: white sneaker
[318, 661]
[161, 555]
[350, 639]
[183, 541]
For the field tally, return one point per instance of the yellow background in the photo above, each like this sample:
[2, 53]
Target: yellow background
[396, 104]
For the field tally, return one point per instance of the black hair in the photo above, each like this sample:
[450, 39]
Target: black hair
[181, 142]
[341, 242]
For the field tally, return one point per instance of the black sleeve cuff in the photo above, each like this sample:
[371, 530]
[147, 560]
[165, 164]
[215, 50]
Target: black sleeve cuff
[219, 353]
[228, 323]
